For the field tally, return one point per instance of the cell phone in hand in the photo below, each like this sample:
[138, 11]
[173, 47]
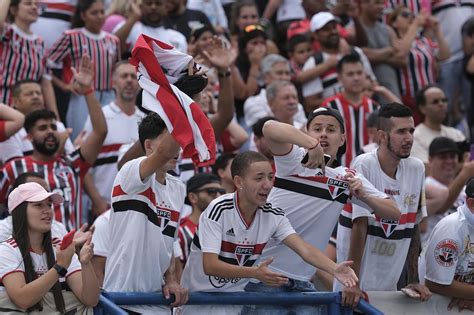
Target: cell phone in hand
[67, 239]
[411, 293]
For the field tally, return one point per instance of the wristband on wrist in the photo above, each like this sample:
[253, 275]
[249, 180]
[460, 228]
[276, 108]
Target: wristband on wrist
[89, 91]
[60, 270]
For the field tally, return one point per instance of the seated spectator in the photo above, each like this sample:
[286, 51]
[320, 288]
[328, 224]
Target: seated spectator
[11, 121]
[31, 267]
[299, 51]
[448, 255]
[201, 189]
[245, 217]
[433, 104]
[274, 67]
[184, 19]
[421, 53]
[222, 169]
[28, 97]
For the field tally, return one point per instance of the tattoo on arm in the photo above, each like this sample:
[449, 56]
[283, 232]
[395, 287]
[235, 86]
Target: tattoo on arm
[412, 258]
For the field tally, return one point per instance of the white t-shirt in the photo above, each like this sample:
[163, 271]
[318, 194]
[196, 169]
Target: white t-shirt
[212, 9]
[423, 136]
[312, 203]
[143, 226]
[57, 229]
[387, 241]
[18, 145]
[449, 254]
[223, 231]
[12, 260]
[290, 10]
[122, 129]
[101, 237]
[169, 36]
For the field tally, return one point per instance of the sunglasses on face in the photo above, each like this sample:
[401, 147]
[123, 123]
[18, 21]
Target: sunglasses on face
[211, 191]
[253, 27]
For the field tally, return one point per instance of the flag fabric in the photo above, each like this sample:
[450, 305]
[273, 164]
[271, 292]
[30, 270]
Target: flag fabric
[159, 64]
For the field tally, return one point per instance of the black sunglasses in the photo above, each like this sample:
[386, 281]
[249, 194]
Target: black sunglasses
[212, 191]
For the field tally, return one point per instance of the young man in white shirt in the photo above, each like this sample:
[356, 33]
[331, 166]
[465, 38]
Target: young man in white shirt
[312, 195]
[233, 231]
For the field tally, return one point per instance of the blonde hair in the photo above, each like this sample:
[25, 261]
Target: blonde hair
[120, 7]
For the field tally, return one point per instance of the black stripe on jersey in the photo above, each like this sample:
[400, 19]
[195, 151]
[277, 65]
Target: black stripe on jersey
[222, 205]
[233, 261]
[142, 207]
[345, 221]
[57, 16]
[329, 83]
[106, 160]
[308, 190]
[440, 8]
[196, 241]
[187, 167]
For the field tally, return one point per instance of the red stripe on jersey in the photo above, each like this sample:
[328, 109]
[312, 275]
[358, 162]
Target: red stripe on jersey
[347, 207]
[319, 179]
[118, 191]
[404, 218]
[230, 247]
[174, 214]
[59, 6]
[110, 147]
[150, 195]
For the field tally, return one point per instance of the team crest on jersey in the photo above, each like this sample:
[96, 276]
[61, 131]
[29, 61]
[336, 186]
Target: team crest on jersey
[388, 226]
[63, 172]
[164, 217]
[446, 253]
[336, 187]
[243, 253]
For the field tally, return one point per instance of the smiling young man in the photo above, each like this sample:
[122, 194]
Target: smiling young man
[233, 231]
[312, 195]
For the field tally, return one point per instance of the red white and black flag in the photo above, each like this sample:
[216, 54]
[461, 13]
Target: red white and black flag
[159, 64]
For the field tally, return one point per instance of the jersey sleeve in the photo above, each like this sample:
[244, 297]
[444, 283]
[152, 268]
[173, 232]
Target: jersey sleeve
[283, 229]
[100, 238]
[422, 212]
[10, 149]
[210, 234]
[314, 86]
[74, 266]
[81, 167]
[11, 260]
[129, 177]
[60, 48]
[290, 163]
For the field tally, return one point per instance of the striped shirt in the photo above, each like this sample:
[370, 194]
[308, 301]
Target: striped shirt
[186, 231]
[22, 56]
[64, 176]
[355, 123]
[103, 48]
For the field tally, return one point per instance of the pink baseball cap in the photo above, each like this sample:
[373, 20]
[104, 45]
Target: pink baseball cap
[31, 192]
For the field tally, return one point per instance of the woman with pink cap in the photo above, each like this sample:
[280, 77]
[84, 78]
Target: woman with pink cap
[34, 270]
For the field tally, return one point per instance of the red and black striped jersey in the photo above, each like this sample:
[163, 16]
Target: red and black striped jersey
[355, 120]
[22, 56]
[103, 48]
[186, 231]
[64, 176]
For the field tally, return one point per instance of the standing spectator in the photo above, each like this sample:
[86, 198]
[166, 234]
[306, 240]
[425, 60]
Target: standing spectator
[322, 83]
[374, 242]
[201, 189]
[183, 19]
[86, 37]
[222, 169]
[468, 46]
[353, 105]
[28, 97]
[433, 104]
[32, 264]
[63, 173]
[449, 258]
[381, 50]
[422, 54]
[146, 205]
[11, 121]
[22, 53]
[214, 11]
[147, 18]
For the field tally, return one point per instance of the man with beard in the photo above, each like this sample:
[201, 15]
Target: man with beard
[324, 27]
[147, 19]
[64, 174]
[28, 97]
[380, 247]
[182, 19]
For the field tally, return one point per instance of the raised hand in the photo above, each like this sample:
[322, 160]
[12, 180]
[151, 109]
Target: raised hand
[315, 158]
[264, 274]
[345, 275]
[355, 186]
[82, 235]
[83, 79]
[219, 55]
[87, 252]
[64, 256]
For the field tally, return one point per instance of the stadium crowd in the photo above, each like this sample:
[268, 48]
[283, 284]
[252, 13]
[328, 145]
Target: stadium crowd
[235, 145]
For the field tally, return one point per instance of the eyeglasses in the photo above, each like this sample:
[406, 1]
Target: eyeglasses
[212, 191]
[406, 14]
[253, 27]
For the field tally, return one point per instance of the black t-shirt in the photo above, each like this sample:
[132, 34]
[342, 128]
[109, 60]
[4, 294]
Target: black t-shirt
[186, 22]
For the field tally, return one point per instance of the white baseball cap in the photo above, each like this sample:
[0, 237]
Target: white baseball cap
[31, 192]
[319, 20]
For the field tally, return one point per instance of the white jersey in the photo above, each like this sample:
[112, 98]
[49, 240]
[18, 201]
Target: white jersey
[433, 219]
[101, 238]
[12, 261]
[123, 129]
[6, 228]
[312, 203]
[143, 225]
[449, 254]
[19, 145]
[387, 241]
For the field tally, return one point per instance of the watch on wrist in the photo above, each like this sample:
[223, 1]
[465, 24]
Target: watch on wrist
[60, 270]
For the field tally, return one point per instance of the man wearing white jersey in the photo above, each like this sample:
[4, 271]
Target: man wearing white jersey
[311, 195]
[146, 205]
[449, 255]
[233, 231]
[386, 244]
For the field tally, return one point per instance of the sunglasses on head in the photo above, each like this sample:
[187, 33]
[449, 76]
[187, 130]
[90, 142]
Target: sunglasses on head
[212, 191]
[253, 27]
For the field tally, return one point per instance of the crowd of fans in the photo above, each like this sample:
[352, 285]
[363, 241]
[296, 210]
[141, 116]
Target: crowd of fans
[343, 127]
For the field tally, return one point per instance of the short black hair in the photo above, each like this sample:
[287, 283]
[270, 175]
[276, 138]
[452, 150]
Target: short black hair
[222, 162]
[467, 28]
[150, 127]
[257, 128]
[296, 40]
[372, 119]
[242, 162]
[391, 110]
[33, 117]
[420, 97]
[349, 58]
[16, 89]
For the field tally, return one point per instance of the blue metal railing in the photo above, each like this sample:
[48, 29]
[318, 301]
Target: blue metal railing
[332, 299]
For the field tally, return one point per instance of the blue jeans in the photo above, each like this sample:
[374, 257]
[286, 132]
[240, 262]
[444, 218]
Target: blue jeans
[292, 286]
